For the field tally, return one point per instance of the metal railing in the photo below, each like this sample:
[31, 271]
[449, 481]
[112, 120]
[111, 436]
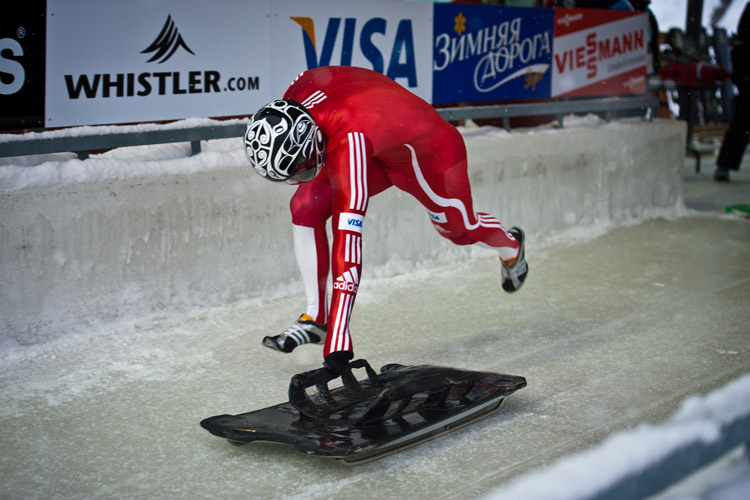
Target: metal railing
[92, 139]
[97, 138]
[607, 105]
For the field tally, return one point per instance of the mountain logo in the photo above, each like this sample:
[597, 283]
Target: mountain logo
[167, 43]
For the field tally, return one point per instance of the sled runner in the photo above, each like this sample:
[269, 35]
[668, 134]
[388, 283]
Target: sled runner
[366, 419]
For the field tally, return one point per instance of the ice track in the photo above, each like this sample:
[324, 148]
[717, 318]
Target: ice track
[610, 333]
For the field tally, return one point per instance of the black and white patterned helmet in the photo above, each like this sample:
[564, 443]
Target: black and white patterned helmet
[283, 143]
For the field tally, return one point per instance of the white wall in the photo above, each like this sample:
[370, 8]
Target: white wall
[94, 251]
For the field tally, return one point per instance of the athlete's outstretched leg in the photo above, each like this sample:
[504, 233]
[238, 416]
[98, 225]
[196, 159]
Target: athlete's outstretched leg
[446, 193]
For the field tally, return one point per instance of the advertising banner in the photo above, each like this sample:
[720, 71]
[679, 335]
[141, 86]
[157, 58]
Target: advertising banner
[22, 34]
[109, 62]
[484, 52]
[599, 52]
[119, 62]
[393, 38]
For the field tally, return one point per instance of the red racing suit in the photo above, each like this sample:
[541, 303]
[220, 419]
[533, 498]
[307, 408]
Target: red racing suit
[378, 135]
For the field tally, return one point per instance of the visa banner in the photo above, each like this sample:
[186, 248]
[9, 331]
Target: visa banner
[393, 38]
[599, 52]
[484, 53]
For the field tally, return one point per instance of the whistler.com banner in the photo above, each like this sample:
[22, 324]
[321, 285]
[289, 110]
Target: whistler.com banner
[123, 62]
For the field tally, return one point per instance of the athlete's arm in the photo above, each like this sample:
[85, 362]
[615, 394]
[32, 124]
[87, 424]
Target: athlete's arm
[347, 166]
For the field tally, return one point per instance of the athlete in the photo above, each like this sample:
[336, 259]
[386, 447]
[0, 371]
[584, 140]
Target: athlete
[343, 135]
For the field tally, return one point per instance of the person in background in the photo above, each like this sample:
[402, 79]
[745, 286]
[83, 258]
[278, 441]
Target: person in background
[736, 136]
[654, 51]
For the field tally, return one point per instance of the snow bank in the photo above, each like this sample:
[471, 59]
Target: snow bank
[627, 454]
[146, 229]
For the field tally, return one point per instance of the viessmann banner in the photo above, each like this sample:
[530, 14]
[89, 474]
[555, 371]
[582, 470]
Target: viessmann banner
[599, 52]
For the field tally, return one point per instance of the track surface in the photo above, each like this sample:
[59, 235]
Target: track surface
[610, 332]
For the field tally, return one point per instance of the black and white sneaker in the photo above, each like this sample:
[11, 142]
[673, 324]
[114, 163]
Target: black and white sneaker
[302, 331]
[514, 274]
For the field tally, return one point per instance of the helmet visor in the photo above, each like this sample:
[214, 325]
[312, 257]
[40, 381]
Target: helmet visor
[304, 172]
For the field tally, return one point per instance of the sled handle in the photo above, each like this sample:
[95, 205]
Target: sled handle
[352, 384]
[435, 384]
[326, 403]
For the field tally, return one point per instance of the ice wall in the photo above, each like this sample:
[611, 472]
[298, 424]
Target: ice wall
[117, 239]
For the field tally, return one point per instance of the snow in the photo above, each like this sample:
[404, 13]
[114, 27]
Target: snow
[586, 473]
[58, 169]
[38, 171]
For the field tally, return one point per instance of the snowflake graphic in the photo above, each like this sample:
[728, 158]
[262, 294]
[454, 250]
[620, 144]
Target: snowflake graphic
[460, 26]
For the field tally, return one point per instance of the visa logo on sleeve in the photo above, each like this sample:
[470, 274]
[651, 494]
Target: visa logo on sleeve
[438, 217]
[351, 222]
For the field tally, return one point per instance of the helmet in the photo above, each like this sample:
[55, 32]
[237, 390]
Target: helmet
[283, 143]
